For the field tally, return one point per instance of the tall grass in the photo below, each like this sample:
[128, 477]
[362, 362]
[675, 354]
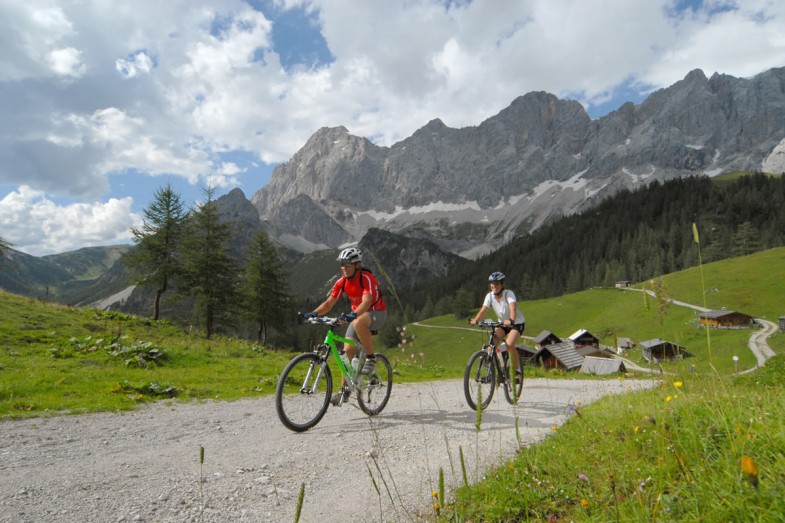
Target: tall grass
[698, 448]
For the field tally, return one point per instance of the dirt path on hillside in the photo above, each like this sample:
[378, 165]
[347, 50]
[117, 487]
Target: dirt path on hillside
[143, 466]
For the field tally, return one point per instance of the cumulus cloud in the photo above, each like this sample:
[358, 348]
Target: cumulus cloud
[36, 225]
[93, 90]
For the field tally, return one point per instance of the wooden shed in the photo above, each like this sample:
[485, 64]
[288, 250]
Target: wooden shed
[624, 344]
[658, 350]
[583, 338]
[726, 319]
[545, 338]
[562, 356]
[602, 366]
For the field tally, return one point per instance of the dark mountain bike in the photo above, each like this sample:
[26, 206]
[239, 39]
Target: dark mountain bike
[490, 367]
[306, 383]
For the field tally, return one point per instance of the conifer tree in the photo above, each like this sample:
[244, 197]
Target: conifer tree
[209, 272]
[155, 260]
[266, 295]
[4, 247]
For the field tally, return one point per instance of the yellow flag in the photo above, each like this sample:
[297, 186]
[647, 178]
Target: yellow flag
[695, 233]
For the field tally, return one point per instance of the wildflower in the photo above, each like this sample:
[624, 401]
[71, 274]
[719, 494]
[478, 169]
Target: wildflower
[555, 427]
[510, 467]
[668, 399]
[584, 503]
[750, 469]
[637, 428]
[435, 494]
[677, 384]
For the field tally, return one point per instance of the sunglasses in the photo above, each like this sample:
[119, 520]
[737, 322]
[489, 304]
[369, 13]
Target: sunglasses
[347, 264]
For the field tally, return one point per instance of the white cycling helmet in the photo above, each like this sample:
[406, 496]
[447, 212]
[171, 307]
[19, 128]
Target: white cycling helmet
[497, 276]
[351, 254]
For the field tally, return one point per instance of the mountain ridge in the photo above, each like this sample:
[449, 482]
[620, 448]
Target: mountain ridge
[536, 159]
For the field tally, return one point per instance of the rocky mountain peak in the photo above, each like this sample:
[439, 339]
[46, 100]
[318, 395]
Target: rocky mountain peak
[472, 189]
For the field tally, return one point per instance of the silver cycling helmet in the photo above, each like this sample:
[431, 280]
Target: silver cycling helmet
[350, 254]
[497, 276]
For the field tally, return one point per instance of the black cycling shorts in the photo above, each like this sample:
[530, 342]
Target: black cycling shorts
[517, 326]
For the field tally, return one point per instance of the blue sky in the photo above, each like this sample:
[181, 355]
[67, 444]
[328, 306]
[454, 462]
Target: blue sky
[102, 103]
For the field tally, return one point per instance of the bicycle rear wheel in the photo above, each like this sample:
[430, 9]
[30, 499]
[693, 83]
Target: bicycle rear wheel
[513, 385]
[479, 380]
[375, 389]
[302, 396]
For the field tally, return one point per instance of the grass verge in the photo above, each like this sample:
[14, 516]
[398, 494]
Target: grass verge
[697, 448]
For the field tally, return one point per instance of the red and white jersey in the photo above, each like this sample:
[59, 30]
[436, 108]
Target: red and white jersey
[363, 282]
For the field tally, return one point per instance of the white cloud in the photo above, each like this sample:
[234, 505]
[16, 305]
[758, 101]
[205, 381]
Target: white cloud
[66, 62]
[169, 88]
[139, 63]
[36, 225]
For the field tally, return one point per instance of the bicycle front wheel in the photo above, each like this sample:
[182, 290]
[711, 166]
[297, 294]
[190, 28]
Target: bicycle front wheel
[303, 392]
[375, 389]
[479, 380]
[513, 385]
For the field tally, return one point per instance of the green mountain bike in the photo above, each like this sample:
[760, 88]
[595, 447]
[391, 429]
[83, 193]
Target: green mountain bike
[489, 367]
[306, 383]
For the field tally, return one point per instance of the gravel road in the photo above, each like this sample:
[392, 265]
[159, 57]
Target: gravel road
[144, 465]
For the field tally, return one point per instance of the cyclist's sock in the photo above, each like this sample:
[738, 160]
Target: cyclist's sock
[370, 363]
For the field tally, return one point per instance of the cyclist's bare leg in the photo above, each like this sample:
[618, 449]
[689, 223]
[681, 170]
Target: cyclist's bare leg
[512, 341]
[362, 326]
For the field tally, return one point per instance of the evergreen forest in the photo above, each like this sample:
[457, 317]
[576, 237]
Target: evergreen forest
[634, 235]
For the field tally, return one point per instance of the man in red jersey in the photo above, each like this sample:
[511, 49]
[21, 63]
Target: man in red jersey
[369, 311]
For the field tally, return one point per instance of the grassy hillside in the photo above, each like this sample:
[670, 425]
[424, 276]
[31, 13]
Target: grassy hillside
[60, 359]
[751, 284]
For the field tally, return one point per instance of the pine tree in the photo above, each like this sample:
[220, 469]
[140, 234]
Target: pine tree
[4, 247]
[266, 295]
[155, 260]
[210, 273]
[745, 239]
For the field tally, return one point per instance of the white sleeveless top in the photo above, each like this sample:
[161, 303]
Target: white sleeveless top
[502, 309]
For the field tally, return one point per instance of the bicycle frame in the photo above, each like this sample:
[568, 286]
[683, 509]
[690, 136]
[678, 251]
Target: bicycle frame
[329, 340]
[492, 347]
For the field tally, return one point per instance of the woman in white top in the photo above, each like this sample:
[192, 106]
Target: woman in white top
[505, 305]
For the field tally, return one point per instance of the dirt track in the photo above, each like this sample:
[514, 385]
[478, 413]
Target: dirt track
[144, 465]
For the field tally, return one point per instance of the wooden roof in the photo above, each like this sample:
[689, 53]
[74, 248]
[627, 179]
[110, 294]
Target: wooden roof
[564, 352]
[602, 366]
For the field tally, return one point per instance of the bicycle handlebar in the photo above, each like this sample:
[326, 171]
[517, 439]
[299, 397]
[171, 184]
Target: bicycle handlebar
[489, 323]
[324, 320]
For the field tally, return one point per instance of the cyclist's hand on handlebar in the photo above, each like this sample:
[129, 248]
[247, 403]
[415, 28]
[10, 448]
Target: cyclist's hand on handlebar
[309, 315]
[473, 321]
[350, 316]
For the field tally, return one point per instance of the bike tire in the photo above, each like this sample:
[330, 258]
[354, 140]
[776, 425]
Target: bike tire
[479, 380]
[298, 410]
[375, 389]
[513, 385]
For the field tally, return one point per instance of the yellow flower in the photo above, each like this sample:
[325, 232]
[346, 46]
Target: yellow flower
[584, 503]
[668, 399]
[637, 428]
[435, 494]
[750, 469]
[677, 384]
[436, 506]
[555, 427]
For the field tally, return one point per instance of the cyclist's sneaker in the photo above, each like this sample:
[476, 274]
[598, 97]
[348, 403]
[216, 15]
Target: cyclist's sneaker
[340, 397]
[370, 363]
